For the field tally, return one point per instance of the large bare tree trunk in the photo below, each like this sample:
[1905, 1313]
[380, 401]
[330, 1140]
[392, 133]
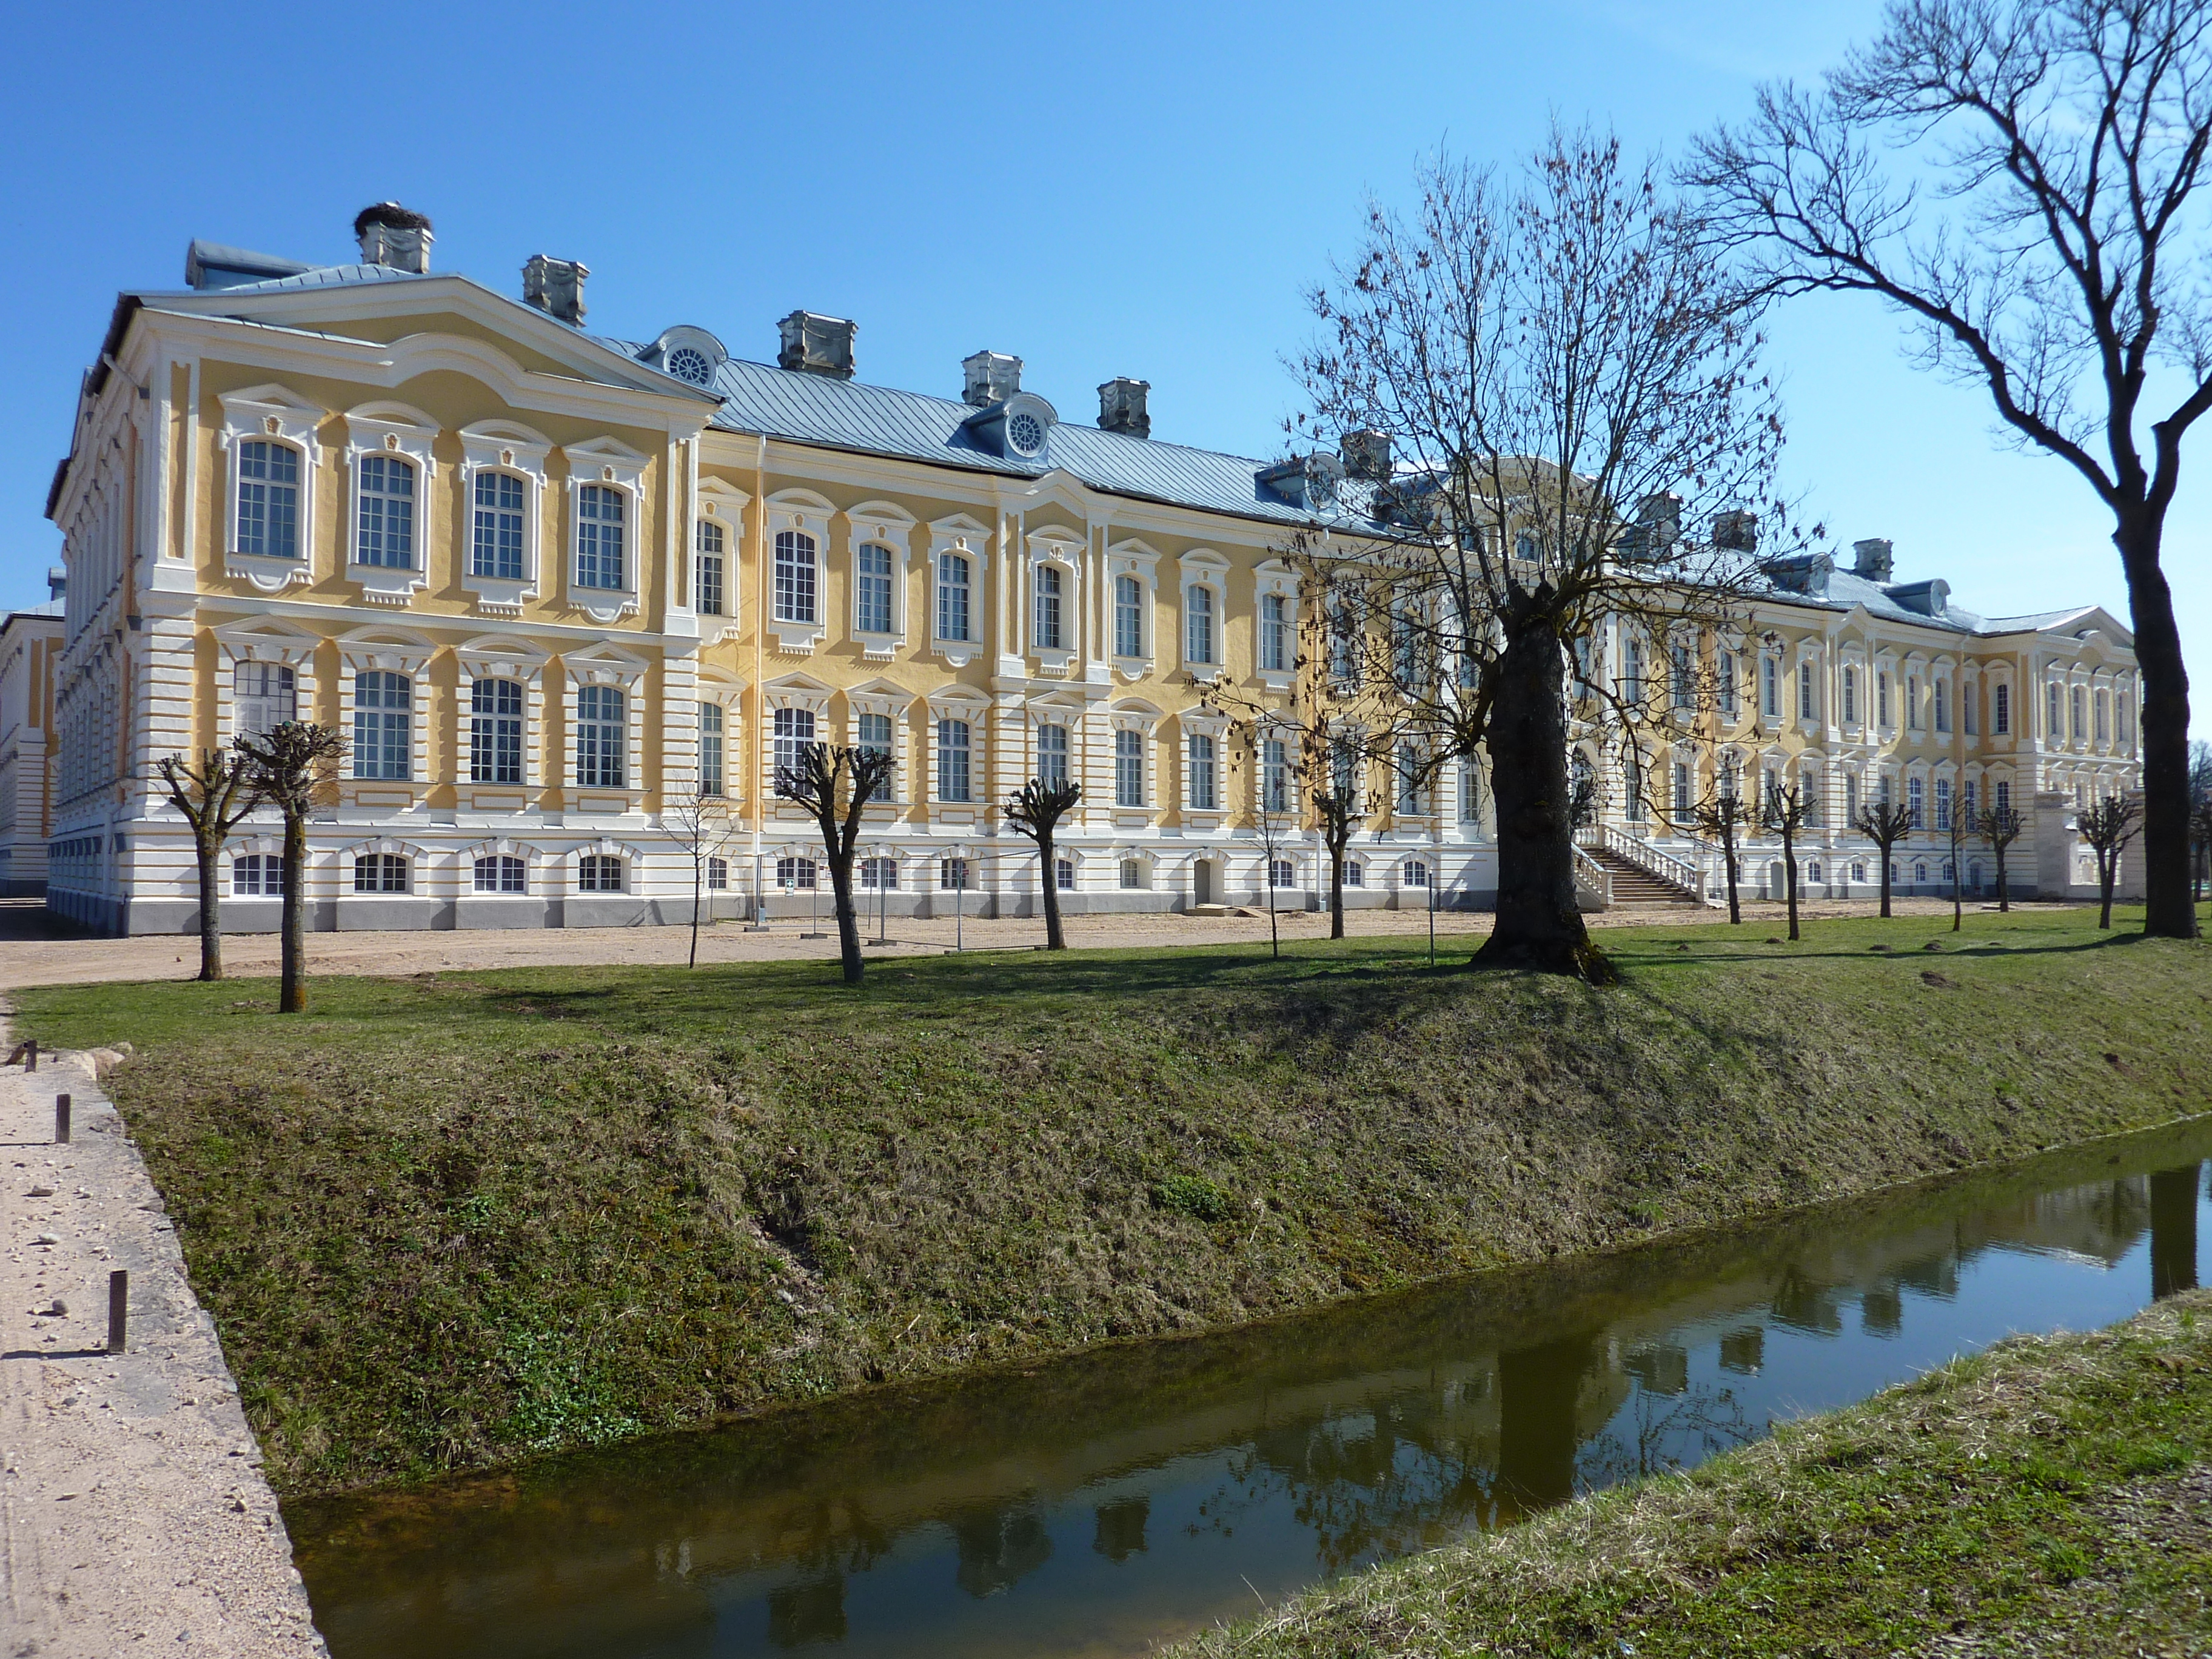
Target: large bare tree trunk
[292, 987]
[848, 914]
[2168, 910]
[210, 910]
[1056, 938]
[1539, 924]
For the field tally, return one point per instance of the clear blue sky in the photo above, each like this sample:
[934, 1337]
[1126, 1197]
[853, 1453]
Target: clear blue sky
[1128, 190]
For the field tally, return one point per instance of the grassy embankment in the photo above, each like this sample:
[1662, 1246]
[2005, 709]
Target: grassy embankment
[449, 1220]
[2047, 1496]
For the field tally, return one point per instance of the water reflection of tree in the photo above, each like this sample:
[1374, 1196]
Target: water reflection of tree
[999, 1545]
[1664, 1433]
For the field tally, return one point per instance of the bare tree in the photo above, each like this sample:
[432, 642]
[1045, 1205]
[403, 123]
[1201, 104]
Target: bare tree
[1035, 810]
[1723, 816]
[836, 783]
[215, 796]
[295, 766]
[1961, 829]
[2001, 826]
[2065, 273]
[1786, 809]
[1884, 823]
[700, 824]
[2108, 825]
[2200, 817]
[1559, 385]
[1266, 748]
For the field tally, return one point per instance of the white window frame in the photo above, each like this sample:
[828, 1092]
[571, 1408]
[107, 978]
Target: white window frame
[609, 465]
[1274, 581]
[394, 432]
[504, 446]
[880, 524]
[963, 537]
[271, 414]
[1134, 559]
[607, 665]
[1203, 569]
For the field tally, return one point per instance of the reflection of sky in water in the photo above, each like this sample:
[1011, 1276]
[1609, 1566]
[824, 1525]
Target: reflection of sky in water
[1331, 1473]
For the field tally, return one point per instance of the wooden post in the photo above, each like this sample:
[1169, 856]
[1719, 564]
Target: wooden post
[30, 1055]
[61, 1120]
[119, 1310]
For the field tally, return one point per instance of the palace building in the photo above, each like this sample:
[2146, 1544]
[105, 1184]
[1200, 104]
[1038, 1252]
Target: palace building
[554, 585]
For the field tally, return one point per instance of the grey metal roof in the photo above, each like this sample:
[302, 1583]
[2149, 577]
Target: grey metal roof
[330, 276]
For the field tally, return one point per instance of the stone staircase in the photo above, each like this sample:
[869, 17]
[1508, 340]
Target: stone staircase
[1635, 888]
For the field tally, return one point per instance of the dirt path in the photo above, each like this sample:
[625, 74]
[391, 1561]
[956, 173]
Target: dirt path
[133, 1514]
[29, 956]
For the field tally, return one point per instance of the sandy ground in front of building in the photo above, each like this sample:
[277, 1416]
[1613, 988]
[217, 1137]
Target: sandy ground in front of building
[133, 1514]
[28, 958]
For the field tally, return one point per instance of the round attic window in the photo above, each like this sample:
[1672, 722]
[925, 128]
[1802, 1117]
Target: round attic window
[1026, 432]
[687, 364]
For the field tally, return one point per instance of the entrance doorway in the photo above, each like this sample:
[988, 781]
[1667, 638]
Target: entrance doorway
[1204, 883]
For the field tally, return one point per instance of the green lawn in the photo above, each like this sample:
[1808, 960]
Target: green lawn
[2048, 1496]
[450, 1221]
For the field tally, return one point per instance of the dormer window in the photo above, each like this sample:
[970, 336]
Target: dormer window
[1024, 434]
[387, 526]
[686, 364]
[268, 500]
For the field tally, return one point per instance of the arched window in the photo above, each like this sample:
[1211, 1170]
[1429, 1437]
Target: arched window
[1129, 769]
[800, 873]
[1205, 789]
[953, 875]
[256, 875]
[872, 590]
[879, 875]
[1051, 754]
[710, 749]
[1355, 873]
[1063, 874]
[496, 549]
[383, 727]
[952, 597]
[1274, 634]
[1129, 616]
[718, 875]
[495, 731]
[499, 873]
[602, 737]
[263, 698]
[1048, 630]
[600, 538]
[794, 731]
[1281, 872]
[1416, 874]
[268, 500]
[386, 527]
[794, 576]
[1198, 610]
[952, 760]
[599, 873]
[1132, 874]
[379, 873]
[710, 587]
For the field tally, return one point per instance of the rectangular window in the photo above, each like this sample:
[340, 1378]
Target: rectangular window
[718, 875]
[1274, 634]
[1769, 688]
[383, 727]
[2081, 727]
[1274, 775]
[1728, 682]
[2125, 706]
[2103, 716]
[953, 591]
[711, 755]
[1912, 702]
[952, 760]
[2054, 723]
[1063, 874]
[1943, 804]
[712, 595]
[871, 593]
[1129, 769]
[1198, 610]
[600, 538]
[1129, 616]
[953, 875]
[793, 730]
[1048, 635]
[379, 873]
[1133, 875]
[1344, 644]
[268, 500]
[1052, 755]
[1881, 699]
[500, 874]
[873, 733]
[1970, 703]
[2003, 793]
[2001, 711]
[387, 514]
[794, 576]
[1916, 802]
[1683, 800]
[1941, 689]
[1411, 798]
[495, 731]
[1850, 797]
[1683, 683]
[1968, 802]
[1850, 695]
[263, 698]
[1205, 792]
[1807, 709]
[1470, 793]
[496, 549]
[602, 737]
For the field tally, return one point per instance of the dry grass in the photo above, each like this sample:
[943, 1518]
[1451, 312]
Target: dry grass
[458, 1220]
[2046, 1496]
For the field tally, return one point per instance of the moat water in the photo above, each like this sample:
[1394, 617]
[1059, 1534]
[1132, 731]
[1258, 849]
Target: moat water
[1108, 1503]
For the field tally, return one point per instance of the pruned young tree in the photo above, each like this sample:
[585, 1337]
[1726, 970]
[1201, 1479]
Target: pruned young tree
[1548, 393]
[834, 783]
[1266, 749]
[1035, 810]
[2048, 246]
[2108, 825]
[1962, 830]
[2001, 826]
[1884, 822]
[1785, 809]
[700, 824]
[294, 766]
[1724, 816]
[2200, 818]
[215, 794]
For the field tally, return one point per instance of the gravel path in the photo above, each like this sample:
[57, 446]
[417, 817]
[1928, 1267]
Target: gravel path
[133, 1514]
